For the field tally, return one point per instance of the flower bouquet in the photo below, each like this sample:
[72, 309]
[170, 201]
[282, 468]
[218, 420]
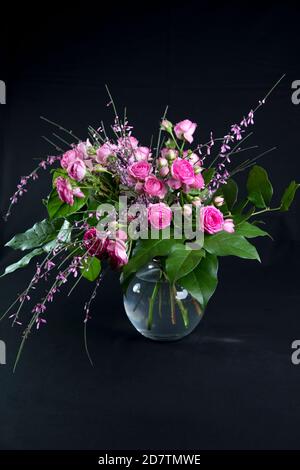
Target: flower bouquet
[160, 215]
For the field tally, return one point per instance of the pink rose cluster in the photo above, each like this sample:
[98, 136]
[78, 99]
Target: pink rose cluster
[101, 246]
[73, 162]
[183, 172]
[213, 221]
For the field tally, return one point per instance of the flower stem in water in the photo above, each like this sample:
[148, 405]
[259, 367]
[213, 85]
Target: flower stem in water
[151, 305]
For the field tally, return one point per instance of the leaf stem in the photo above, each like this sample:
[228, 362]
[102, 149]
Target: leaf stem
[151, 305]
[267, 209]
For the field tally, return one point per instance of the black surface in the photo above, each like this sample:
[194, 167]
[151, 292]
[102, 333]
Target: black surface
[231, 384]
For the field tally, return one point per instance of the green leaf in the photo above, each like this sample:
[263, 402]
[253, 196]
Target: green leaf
[288, 196]
[57, 172]
[36, 236]
[250, 231]
[201, 283]
[56, 208]
[259, 188]
[22, 262]
[144, 252]
[181, 260]
[230, 244]
[208, 175]
[63, 236]
[91, 268]
[230, 193]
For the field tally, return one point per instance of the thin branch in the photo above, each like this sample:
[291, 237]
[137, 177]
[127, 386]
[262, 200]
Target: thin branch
[70, 132]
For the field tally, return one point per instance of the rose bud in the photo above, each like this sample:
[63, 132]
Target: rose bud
[187, 210]
[164, 171]
[166, 125]
[219, 201]
[162, 161]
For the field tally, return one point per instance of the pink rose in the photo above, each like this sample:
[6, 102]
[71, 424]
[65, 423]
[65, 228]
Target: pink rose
[139, 187]
[228, 226]
[128, 142]
[78, 193]
[173, 184]
[65, 191]
[139, 170]
[94, 243]
[121, 235]
[159, 215]
[199, 182]
[185, 130]
[155, 187]
[142, 153]
[116, 250]
[183, 171]
[77, 170]
[69, 157]
[212, 219]
[193, 158]
[82, 149]
[104, 152]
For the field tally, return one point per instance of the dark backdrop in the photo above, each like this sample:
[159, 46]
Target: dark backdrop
[231, 384]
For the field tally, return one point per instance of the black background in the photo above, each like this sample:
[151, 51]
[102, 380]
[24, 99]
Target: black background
[231, 384]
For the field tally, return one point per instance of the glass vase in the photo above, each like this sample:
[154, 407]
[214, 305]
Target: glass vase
[158, 310]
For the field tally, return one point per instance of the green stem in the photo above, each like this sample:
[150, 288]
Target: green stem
[183, 310]
[172, 304]
[268, 209]
[174, 138]
[151, 305]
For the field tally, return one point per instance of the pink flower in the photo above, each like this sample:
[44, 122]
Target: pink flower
[194, 159]
[199, 182]
[139, 170]
[155, 187]
[187, 210]
[82, 149]
[104, 152]
[64, 190]
[128, 142]
[139, 187]
[159, 215]
[212, 219]
[69, 157]
[94, 242]
[228, 226]
[116, 250]
[164, 171]
[185, 130]
[121, 235]
[78, 193]
[173, 184]
[183, 171]
[142, 153]
[77, 170]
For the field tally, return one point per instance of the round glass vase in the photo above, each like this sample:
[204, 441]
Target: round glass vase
[158, 310]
